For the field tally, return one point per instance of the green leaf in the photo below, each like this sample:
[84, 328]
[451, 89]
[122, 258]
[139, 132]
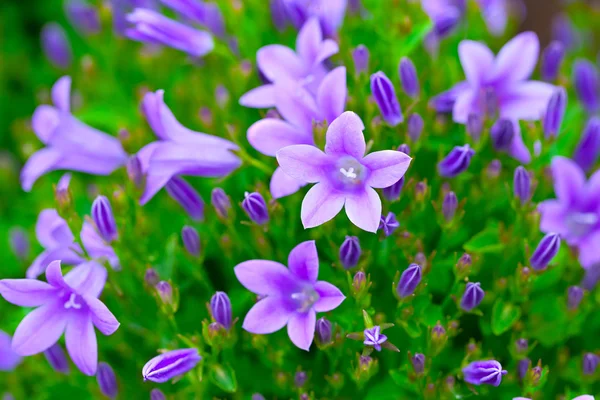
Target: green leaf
[486, 241]
[401, 379]
[412, 328]
[504, 316]
[224, 378]
[432, 314]
[368, 320]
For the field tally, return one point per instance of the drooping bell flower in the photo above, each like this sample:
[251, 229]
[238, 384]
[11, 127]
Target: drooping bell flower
[345, 177]
[291, 296]
[487, 372]
[329, 13]
[70, 144]
[171, 364]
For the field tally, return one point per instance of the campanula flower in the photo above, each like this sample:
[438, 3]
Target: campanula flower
[445, 15]
[350, 252]
[290, 296]
[220, 309]
[70, 144]
[495, 14]
[9, 360]
[545, 251]
[587, 150]
[345, 177]
[329, 13]
[256, 208]
[66, 304]
[408, 77]
[374, 337]
[57, 359]
[203, 13]
[456, 162]
[279, 14]
[300, 379]
[502, 134]
[487, 372]
[104, 219]
[56, 45]
[564, 31]
[96, 247]
[384, 94]
[590, 363]
[191, 240]
[575, 214]
[171, 364]
[323, 331]
[555, 112]
[392, 193]
[107, 381]
[409, 280]
[183, 193]
[389, 223]
[156, 394]
[522, 184]
[360, 56]
[586, 80]
[472, 296]
[552, 58]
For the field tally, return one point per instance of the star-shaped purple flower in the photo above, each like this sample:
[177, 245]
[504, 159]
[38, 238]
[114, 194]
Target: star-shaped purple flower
[66, 304]
[344, 175]
[290, 296]
[374, 337]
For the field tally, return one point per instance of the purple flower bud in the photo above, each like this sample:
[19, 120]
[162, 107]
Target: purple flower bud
[418, 363]
[502, 133]
[171, 364]
[374, 337]
[555, 112]
[474, 126]
[359, 281]
[360, 55]
[552, 58]
[488, 372]
[409, 280]
[134, 170]
[191, 240]
[472, 296]
[323, 331]
[56, 45]
[415, 126]
[587, 150]
[183, 193]
[57, 359]
[392, 193]
[545, 251]
[591, 277]
[456, 162]
[8, 396]
[587, 84]
[438, 331]
[522, 184]
[104, 219]
[61, 191]
[523, 367]
[521, 345]
[590, 363]
[19, 242]
[446, 23]
[151, 277]
[165, 292]
[574, 297]
[300, 379]
[278, 14]
[156, 394]
[493, 169]
[564, 32]
[220, 202]
[408, 77]
[388, 224]
[222, 95]
[385, 96]
[220, 308]
[107, 380]
[258, 396]
[403, 148]
[256, 208]
[83, 17]
[449, 206]
[350, 252]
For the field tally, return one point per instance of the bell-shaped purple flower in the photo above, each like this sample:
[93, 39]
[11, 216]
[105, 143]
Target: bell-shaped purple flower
[56, 45]
[220, 308]
[171, 364]
[587, 150]
[83, 16]
[502, 133]
[415, 126]
[409, 280]
[191, 240]
[57, 359]
[350, 252]
[408, 77]
[555, 113]
[256, 208]
[590, 363]
[323, 331]
[552, 58]
[586, 80]
[574, 297]
[9, 360]
[107, 381]
[184, 194]
[522, 184]
[449, 206]
[456, 162]
[384, 94]
[472, 296]
[360, 56]
[220, 202]
[104, 219]
[488, 372]
[156, 394]
[389, 223]
[70, 144]
[374, 337]
[545, 251]
[418, 363]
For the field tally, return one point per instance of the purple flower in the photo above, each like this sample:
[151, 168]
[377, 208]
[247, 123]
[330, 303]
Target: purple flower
[184, 194]
[555, 112]
[179, 150]
[564, 32]
[149, 26]
[552, 58]
[9, 360]
[474, 126]
[56, 45]
[574, 297]
[70, 144]
[345, 177]
[545, 251]
[495, 14]
[500, 82]
[522, 184]
[83, 16]
[360, 56]
[280, 63]
[385, 96]
[472, 296]
[389, 223]
[574, 214]
[329, 13]
[171, 364]
[409, 280]
[107, 381]
[587, 150]
[156, 394]
[104, 219]
[191, 240]
[523, 367]
[69, 305]
[279, 14]
[350, 252]
[502, 133]
[300, 379]
[97, 247]
[323, 331]
[206, 14]
[57, 359]
[445, 15]
[418, 363]
[415, 126]
[590, 363]
[290, 296]
[449, 206]
[408, 77]
[392, 193]
[487, 372]
[61, 191]
[586, 80]
[374, 337]
[220, 308]
[456, 162]
[256, 208]
[151, 277]
[19, 242]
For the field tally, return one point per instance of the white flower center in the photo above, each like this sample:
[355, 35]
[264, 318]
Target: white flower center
[581, 223]
[305, 299]
[349, 173]
[71, 303]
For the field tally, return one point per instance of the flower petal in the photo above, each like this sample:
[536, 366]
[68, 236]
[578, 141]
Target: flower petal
[267, 316]
[264, 277]
[87, 278]
[102, 318]
[279, 62]
[54, 275]
[332, 93]
[345, 136]
[308, 42]
[330, 297]
[569, 180]
[40, 329]
[364, 209]
[61, 93]
[553, 217]
[517, 59]
[260, 97]
[296, 105]
[477, 60]
[44, 121]
[464, 106]
[526, 101]
[588, 250]
[82, 346]
[270, 135]
[320, 205]
[26, 292]
[69, 255]
[328, 48]
[52, 230]
[301, 329]
[385, 167]
[283, 185]
[303, 162]
[517, 149]
[40, 163]
[303, 261]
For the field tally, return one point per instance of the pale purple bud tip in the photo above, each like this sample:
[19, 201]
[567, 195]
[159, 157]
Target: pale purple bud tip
[359, 281]
[555, 112]
[183, 193]
[590, 363]
[151, 277]
[474, 126]
[502, 133]
[574, 297]
[415, 126]
[300, 379]
[360, 55]
[156, 394]
[107, 381]
[392, 193]
[385, 96]
[323, 331]
[523, 367]
[587, 84]
[62, 188]
[522, 184]
[388, 224]
[165, 292]
[220, 308]
[552, 58]
[472, 296]
[488, 372]
[409, 280]
[350, 252]
[56, 45]
[256, 208]
[220, 202]
[418, 363]
[374, 337]
[545, 251]
[191, 240]
[57, 359]
[522, 345]
[104, 219]
[134, 170]
[587, 150]
[408, 77]
[449, 206]
[456, 162]
[171, 364]
[83, 17]
[19, 242]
